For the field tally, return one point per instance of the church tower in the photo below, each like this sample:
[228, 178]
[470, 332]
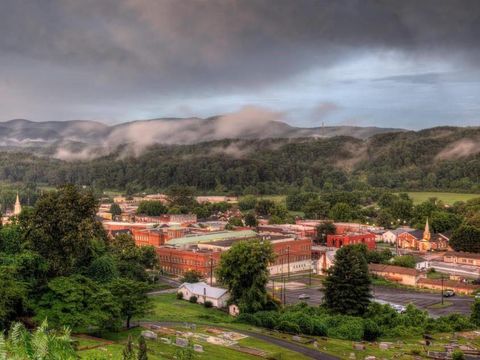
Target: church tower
[18, 207]
[426, 233]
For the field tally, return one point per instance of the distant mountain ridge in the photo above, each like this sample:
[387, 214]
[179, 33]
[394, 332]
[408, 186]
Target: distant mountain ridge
[22, 133]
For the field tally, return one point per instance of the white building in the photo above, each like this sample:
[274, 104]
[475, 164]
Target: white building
[217, 296]
[390, 236]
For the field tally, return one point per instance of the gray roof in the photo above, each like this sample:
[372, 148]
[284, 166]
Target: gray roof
[201, 289]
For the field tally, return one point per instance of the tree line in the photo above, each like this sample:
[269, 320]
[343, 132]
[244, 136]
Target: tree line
[404, 160]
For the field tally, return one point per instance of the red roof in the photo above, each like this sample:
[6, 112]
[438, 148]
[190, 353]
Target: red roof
[392, 269]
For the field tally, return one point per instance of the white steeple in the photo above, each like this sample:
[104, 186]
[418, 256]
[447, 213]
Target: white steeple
[18, 207]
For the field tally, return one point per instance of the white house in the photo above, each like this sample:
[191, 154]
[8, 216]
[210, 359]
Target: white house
[204, 292]
[390, 236]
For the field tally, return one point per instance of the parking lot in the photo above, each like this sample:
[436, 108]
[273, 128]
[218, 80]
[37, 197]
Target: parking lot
[423, 300]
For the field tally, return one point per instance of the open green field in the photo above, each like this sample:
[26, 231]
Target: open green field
[417, 197]
[446, 197]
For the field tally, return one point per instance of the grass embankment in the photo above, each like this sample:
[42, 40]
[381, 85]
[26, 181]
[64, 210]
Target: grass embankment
[168, 308]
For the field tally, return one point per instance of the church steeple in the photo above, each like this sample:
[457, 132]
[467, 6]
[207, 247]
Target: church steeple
[426, 232]
[18, 207]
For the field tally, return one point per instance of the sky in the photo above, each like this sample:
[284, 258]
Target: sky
[388, 63]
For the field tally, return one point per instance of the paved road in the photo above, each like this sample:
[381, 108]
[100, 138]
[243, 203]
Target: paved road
[461, 304]
[311, 353]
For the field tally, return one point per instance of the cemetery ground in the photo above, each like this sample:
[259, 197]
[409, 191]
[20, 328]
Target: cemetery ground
[213, 329]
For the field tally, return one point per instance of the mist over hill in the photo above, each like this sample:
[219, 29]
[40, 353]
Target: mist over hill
[75, 140]
[445, 158]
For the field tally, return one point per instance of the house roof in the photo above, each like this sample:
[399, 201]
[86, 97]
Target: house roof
[392, 269]
[448, 284]
[418, 234]
[217, 236]
[201, 289]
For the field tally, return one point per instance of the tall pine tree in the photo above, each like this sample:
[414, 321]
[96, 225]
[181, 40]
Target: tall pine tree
[347, 286]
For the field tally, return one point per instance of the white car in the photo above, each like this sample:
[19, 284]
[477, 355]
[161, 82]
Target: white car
[303, 296]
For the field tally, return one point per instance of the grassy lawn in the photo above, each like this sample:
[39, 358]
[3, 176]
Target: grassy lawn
[168, 308]
[446, 197]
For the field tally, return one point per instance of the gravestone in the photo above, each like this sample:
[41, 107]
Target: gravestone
[182, 342]
[147, 334]
[198, 348]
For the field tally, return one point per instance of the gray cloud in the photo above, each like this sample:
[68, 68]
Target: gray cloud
[92, 55]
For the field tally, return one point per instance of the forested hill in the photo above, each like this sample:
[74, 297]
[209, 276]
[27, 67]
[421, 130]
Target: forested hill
[438, 158]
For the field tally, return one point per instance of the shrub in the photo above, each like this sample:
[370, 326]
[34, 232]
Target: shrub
[193, 299]
[348, 328]
[179, 295]
[208, 304]
[371, 331]
[288, 327]
[458, 355]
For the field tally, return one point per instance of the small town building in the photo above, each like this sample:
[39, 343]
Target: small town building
[337, 241]
[463, 258]
[401, 275]
[204, 292]
[457, 286]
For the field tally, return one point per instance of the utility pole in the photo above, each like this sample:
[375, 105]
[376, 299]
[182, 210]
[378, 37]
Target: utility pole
[273, 288]
[284, 292]
[310, 274]
[288, 260]
[442, 289]
[211, 271]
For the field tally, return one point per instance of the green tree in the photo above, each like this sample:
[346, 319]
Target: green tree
[62, 227]
[13, 298]
[347, 285]
[234, 222]
[341, 212]
[151, 208]
[103, 269]
[192, 276]
[41, 344]
[324, 229]
[407, 261]
[264, 207]
[297, 200]
[316, 209]
[475, 316]
[466, 238]
[131, 296]
[78, 302]
[442, 221]
[181, 196]
[115, 209]
[142, 349]
[247, 203]
[250, 219]
[244, 270]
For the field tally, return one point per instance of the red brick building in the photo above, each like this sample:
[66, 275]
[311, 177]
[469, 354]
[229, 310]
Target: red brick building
[177, 261]
[340, 240]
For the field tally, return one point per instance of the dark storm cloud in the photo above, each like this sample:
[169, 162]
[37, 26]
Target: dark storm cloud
[92, 53]
[170, 43]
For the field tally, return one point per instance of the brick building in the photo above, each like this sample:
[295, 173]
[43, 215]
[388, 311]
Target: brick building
[177, 260]
[337, 241]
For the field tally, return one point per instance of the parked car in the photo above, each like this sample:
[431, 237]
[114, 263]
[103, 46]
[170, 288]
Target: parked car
[448, 293]
[477, 296]
[303, 296]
